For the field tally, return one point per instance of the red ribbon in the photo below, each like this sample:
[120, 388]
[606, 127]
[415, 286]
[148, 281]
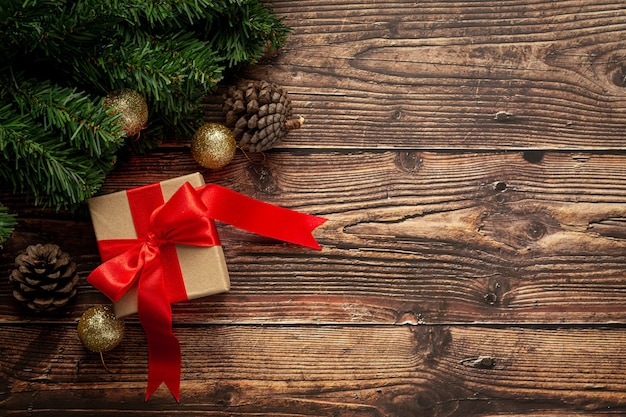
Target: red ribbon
[185, 219]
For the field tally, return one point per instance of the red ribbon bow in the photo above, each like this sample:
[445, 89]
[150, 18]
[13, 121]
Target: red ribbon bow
[185, 219]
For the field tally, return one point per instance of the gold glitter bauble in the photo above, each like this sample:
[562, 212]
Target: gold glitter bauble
[213, 145]
[133, 108]
[99, 329]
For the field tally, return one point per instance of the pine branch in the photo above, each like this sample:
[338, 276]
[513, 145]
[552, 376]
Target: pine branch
[24, 24]
[50, 172]
[173, 73]
[7, 224]
[81, 120]
[243, 34]
[37, 159]
[59, 58]
[155, 65]
[174, 14]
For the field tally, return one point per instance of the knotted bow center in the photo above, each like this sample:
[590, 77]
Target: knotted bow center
[153, 240]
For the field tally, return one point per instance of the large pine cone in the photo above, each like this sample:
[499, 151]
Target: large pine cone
[45, 277]
[259, 113]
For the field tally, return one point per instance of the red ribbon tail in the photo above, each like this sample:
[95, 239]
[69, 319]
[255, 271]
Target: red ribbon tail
[262, 218]
[164, 364]
[155, 315]
[302, 230]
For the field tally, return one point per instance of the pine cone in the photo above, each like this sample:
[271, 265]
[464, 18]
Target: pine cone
[259, 113]
[45, 277]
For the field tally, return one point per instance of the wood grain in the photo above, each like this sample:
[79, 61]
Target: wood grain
[429, 75]
[276, 370]
[422, 237]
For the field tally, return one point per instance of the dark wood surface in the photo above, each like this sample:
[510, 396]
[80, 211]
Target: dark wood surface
[470, 159]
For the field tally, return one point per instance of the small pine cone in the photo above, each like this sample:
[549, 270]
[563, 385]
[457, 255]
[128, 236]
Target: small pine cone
[259, 113]
[45, 277]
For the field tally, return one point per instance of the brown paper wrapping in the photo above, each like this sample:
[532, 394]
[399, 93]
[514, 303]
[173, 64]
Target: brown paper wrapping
[204, 268]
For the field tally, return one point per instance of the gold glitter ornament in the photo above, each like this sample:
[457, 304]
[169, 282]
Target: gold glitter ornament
[99, 329]
[213, 145]
[133, 108]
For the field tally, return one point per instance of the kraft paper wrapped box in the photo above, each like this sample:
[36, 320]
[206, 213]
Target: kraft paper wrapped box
[203, 269]
[159, 245]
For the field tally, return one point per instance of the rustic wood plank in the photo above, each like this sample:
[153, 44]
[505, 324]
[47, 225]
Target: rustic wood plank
[425, 237]
[428, 75]
[324, 370]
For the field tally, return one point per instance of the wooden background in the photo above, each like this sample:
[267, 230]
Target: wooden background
[469, 156]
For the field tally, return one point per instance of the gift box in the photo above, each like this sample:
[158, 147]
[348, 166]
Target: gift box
[159, 245]
[124, 215]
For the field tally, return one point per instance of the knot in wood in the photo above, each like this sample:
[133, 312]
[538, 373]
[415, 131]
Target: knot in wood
[432, 342]
[619, 77]
[396, 115]
[410, 162]
[503, 116]
[500, 198]
[534, 157]
[536, 230]
[263, 179]
[480, 362]
[491, 298]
